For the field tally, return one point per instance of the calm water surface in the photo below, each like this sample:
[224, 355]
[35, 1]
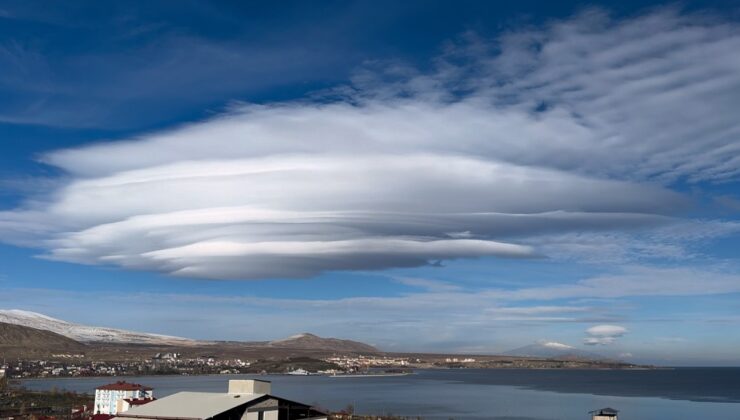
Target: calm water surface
[679, 394]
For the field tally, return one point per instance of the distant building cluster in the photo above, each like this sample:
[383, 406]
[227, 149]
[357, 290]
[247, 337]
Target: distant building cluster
[47, 368]
[456, 360]
[355, 363]
[167, 356]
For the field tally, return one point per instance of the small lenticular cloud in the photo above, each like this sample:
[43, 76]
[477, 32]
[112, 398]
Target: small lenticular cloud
[603, 334]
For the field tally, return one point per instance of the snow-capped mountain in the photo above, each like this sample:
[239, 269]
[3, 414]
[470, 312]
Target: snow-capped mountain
[552, 350]
[84, 333]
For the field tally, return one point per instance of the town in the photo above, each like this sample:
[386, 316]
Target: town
[175, 364]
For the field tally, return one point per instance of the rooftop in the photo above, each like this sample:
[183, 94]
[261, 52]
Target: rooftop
[607, 411]
[190, 405]
[124, 386]
[139, 401]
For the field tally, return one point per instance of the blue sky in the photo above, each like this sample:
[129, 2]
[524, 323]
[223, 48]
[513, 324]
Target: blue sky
[432, 176]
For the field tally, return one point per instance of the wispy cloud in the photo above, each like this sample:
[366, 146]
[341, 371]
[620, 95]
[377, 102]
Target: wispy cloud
[428, 284]
[634, 281]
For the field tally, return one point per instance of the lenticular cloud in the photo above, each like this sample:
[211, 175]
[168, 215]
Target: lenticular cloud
[470, 160]
[298, 214]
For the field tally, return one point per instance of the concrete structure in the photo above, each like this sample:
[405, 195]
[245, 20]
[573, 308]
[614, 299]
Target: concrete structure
[604, 414]
[109, 398]
[245, 400]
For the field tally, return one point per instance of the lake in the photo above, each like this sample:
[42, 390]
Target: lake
[675, 394]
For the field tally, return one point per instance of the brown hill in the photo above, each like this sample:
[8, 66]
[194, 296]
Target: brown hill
[308, 341]
[17, 339]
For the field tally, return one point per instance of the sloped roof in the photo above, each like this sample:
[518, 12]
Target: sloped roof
[607, 411]
[190, 405]
[139, 401]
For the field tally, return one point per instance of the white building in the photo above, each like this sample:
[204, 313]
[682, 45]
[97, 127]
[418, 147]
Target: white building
[245, 400]
[109, 398]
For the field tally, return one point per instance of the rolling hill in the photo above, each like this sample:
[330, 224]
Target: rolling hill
[112, 339]
[307, 341]
[15, 338]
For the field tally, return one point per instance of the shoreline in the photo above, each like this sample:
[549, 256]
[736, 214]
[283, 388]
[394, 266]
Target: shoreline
[413, 372]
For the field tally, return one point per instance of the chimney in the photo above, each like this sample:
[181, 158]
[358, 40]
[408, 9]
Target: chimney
[249, 386]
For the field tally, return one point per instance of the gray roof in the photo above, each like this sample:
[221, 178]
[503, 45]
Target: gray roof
[607, 410]
[190, 405]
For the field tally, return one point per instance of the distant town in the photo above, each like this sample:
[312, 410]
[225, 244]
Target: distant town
[75, 365]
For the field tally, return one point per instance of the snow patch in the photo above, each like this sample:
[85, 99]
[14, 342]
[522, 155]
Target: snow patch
[85, 333]
[556, 345]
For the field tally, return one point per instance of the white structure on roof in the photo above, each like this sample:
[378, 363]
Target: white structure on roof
[245, 400]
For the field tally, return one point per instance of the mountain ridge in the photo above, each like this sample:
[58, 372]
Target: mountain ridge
[104, 335]
[85, 333]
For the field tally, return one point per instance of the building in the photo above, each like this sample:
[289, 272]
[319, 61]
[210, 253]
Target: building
[109, 399]
[245, 400]
[604, 414]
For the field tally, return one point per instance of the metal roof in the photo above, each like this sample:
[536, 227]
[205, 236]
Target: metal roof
[607, 411]
[190, 405]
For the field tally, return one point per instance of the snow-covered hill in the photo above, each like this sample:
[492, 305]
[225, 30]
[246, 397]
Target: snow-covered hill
[86, 333]
[552, 350]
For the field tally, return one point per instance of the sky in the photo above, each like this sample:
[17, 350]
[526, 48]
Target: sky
[439, 176]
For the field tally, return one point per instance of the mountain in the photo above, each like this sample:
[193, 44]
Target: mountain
[84, 333]
[552, 350]
[308, 341]
[24, 338]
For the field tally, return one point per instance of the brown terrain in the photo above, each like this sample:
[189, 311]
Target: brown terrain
[17, 339]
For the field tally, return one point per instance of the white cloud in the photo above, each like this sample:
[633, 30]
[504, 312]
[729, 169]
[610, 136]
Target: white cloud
[538, 310]
[607, 331]
[428, 284]
[603, 334]
[581, 125]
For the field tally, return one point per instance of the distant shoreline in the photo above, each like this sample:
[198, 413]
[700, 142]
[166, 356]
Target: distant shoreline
[413, 372]
[369, 375]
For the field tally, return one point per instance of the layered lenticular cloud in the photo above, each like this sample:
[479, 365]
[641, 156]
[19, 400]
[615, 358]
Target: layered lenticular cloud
[582, 125]
[603, 334]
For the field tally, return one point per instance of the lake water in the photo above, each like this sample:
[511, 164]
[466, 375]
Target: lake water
[678, 394]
